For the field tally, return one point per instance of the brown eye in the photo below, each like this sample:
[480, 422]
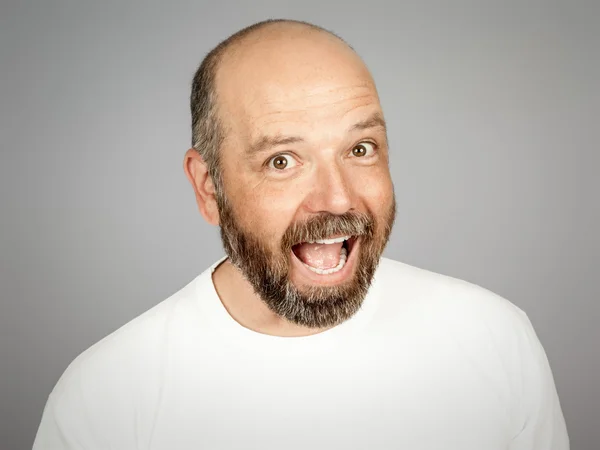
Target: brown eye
[363, 149]
[281, 162]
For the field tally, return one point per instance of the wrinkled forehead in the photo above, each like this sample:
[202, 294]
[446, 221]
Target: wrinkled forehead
[312, 107]
[294, 84]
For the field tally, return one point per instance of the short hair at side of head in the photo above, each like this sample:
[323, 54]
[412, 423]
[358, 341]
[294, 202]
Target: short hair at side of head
[207, 132]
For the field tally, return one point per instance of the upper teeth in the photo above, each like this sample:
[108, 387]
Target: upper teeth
[330, 241]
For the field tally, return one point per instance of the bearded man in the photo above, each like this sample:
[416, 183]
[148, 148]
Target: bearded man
[304, 336]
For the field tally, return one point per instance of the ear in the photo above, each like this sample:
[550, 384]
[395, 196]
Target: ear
[197, 173]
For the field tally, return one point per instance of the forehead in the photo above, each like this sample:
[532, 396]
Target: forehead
[322, 106]
[294, 84]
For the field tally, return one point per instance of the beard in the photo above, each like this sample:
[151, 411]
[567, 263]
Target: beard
[268, 271]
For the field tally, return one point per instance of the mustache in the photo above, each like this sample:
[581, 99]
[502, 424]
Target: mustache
[326, 225]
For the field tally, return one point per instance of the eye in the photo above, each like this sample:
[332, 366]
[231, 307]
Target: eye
[363, 149]
[281, 162]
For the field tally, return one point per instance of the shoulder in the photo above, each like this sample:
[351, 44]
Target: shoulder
[492, 339]
[121, 375]
[138, 347]
[459, 318]
[450, 301]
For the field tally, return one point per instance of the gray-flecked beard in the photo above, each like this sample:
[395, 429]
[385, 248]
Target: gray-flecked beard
[269, 271]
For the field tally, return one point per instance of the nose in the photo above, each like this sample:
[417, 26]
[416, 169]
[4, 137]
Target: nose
[331, 191]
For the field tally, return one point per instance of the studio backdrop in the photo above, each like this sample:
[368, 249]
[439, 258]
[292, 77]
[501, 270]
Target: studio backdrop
[493, 114]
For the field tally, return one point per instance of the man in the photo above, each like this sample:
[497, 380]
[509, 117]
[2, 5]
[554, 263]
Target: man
[304, 336]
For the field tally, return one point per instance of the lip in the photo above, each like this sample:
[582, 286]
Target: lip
[309, 277]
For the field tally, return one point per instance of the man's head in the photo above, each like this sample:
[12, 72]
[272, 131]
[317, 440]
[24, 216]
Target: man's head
[290, 158]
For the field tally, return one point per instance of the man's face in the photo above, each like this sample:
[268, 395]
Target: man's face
[308, 201]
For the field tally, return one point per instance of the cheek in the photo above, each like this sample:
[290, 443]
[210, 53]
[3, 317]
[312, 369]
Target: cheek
[266, 209]
[375, 189]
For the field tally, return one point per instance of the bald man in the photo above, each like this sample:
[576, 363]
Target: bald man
[303, 336]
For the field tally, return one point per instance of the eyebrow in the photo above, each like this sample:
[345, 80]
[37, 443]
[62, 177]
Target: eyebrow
[375, 121]
[265, 142]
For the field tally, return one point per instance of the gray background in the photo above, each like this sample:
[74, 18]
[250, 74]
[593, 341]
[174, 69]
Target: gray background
[493, 110]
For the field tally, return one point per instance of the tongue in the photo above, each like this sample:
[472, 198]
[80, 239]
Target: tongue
[319, 256]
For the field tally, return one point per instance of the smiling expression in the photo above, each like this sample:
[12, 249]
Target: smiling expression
[305, 173]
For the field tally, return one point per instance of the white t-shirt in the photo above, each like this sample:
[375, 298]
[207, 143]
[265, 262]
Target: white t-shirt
[429, 362]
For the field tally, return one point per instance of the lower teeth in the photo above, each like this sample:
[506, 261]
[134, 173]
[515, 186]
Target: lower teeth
[343, 256]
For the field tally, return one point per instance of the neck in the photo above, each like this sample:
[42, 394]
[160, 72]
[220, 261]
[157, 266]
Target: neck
[248, 309]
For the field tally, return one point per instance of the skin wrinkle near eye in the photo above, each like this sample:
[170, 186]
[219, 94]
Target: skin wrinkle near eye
[266, 142]
[261, 181]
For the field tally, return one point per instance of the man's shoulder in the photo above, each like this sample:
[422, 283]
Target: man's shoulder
[446, 309]
[444, 295]
[138, 344]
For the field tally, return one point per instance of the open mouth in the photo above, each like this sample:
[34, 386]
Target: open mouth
[325, 256]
